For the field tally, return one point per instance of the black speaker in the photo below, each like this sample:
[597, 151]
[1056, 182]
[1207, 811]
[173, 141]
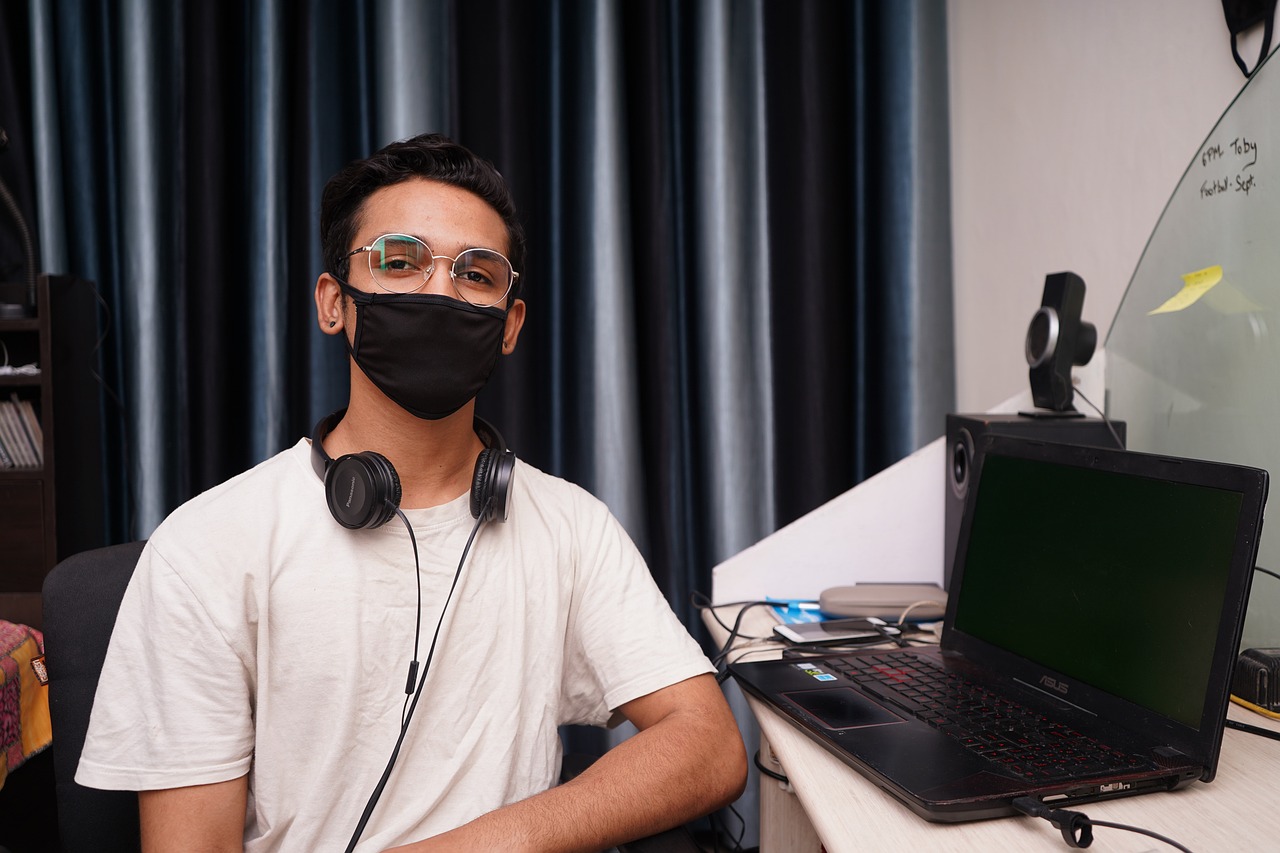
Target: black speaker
[363, 490]
[965, 431]
[1057, 339]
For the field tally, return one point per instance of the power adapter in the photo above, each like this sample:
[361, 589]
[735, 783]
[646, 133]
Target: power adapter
[1257, 678]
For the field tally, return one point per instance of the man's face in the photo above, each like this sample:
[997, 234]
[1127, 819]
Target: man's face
[448, 219]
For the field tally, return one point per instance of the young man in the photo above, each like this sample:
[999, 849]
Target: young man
[255, 689]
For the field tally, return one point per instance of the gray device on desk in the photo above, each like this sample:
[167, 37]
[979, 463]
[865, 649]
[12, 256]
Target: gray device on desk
[1091, 629]
[837, 631]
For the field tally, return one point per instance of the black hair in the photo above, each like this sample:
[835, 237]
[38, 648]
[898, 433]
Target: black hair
[431, 156]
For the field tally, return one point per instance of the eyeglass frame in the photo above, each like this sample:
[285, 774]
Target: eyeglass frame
[430, 271]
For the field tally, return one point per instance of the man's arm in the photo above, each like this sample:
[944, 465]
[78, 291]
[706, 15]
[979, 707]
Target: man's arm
[687, 760]
[197, 819]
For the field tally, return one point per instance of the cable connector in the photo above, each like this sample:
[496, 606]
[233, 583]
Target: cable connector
[413, 677]
[1076, 828]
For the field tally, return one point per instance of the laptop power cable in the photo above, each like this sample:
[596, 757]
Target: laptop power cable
[1077, 827]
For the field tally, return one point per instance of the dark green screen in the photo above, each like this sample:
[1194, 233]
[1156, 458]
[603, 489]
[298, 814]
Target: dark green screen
[1115, 581]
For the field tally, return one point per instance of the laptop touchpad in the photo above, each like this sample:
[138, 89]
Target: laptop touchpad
[841, 708]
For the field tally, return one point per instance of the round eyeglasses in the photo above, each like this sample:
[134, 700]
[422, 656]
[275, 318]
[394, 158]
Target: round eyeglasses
[402, 264]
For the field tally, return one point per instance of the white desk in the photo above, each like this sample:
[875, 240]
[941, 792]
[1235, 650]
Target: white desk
[836, 808]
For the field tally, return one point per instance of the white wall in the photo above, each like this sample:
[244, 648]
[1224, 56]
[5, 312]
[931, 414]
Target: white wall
[1071, 123]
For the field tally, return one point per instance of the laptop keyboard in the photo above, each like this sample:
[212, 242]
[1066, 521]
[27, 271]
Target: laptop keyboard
[1022, 741]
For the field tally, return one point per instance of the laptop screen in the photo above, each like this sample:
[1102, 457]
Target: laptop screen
[1113, 579]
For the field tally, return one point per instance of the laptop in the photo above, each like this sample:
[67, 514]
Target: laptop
[1092, 624]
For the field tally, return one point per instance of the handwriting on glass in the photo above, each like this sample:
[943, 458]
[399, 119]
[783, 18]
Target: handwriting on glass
[1228, 165]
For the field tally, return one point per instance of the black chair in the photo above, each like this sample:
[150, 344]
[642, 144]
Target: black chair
[81, 599]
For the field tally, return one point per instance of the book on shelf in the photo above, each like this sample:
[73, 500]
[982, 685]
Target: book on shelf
[8, 439]
[14, 436]
[32, 423]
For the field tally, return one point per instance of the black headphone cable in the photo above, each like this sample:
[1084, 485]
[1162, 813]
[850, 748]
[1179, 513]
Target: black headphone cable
[417, 622]
[407, 715]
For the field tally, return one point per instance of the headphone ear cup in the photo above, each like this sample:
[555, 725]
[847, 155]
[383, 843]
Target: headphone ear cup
[480, 482]
[491, 484]
[362, 490]
[504, 467]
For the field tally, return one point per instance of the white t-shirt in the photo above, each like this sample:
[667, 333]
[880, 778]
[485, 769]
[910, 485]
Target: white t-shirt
[259, 636]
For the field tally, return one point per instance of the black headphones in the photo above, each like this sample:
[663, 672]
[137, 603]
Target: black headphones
[363, 489]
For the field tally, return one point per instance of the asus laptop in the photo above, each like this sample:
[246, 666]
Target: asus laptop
[1092, 624]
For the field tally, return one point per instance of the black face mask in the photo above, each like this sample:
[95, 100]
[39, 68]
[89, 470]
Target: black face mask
[428, 353]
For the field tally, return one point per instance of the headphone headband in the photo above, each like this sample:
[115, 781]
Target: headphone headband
[373, 493]
[320, 460]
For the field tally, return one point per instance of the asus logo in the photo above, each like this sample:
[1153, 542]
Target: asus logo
[1054, 684]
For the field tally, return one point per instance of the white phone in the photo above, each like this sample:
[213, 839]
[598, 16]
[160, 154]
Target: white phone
[837, 631]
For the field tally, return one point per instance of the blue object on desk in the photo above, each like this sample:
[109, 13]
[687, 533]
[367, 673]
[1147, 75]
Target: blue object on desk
[794, 610]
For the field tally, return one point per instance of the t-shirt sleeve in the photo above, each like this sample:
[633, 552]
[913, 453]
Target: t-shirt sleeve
[623, 639]
[173, 706]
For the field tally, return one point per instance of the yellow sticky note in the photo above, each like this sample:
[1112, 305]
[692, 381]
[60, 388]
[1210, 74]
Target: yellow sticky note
[1194, 285]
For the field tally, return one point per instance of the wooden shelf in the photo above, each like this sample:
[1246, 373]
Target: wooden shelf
[28, 535]
[50, 512]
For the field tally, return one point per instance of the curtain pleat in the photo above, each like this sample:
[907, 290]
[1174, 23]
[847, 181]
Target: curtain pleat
[659, 315]
[331, 93]
[212, 289]
[819, 261]
[149, 240]
[412, 56]
[46, 146]
[267, 182]
[727, 262]
[605, 288]
[903, 139]
[929, 370]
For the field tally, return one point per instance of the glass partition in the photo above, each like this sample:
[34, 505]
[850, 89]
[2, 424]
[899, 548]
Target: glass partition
[1192, 363]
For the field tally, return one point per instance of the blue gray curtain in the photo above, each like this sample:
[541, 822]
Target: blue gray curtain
[739, 278]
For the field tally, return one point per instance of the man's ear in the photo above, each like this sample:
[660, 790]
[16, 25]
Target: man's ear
[511, 331]
[329, 305]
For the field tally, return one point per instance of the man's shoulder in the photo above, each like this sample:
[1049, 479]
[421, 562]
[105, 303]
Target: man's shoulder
[226, 533]
[279, 478]
[552, 492]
